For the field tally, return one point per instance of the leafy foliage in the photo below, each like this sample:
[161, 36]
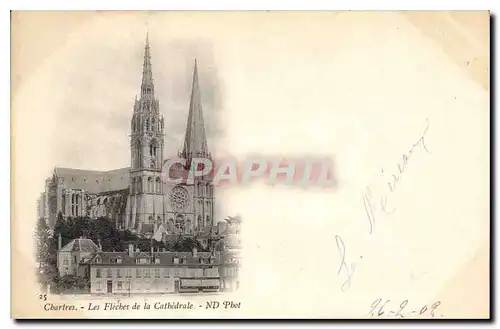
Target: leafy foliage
[71, 284]
[47, 275]
[233, 220]
[99, 230]
[46, 271]
[42, 242]
[187, 244]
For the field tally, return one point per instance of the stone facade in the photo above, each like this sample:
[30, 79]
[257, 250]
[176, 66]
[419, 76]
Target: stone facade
[138, 197]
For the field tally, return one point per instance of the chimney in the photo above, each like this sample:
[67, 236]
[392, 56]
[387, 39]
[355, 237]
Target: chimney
[131, 250]
[59, 242]
[195, 251]
[99, 244]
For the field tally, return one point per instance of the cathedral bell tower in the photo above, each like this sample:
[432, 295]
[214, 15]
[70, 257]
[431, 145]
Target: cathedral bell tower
[146, 144]
[195, 146]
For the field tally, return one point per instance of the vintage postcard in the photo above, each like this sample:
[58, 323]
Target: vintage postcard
[231, 165]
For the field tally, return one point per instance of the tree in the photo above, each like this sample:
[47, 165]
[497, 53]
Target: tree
[47, 275]
[62, 228]
[187, 244]
[72, 284]
[104, 231]
[42, 242]
[127, 235]
[233, 220]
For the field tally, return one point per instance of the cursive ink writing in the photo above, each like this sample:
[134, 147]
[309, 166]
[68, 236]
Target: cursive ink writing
[371, 208]
[374, 206]
[383, 205]
[377, 307]
[349, 270]
[405, 158]
[381, 307]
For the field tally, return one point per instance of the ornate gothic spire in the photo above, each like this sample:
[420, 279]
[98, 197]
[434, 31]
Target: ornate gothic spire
[195, 142]
[147, 86]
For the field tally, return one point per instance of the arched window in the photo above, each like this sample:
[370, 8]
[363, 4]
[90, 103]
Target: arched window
[158, 185]
[152, 148]
[150, 219]
[139, 184]
[187, 228]
[147, 124]
[138, 154]
[207, 222]
[153, 127]
[150, 184]
[200, 222]
[72, 198]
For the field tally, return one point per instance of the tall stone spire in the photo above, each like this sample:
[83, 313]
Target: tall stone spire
[147, 86]
[195, 141]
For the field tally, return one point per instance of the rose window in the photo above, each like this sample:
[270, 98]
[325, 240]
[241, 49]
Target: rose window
[179, 198]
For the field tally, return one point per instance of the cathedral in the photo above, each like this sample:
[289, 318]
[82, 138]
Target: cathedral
[140, 198]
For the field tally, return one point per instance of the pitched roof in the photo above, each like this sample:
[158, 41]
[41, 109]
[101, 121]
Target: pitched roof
[165, 257]
[94, 181]
[160, 231]
[85, 245]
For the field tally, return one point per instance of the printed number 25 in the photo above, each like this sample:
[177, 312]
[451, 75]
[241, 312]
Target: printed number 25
[42, 297]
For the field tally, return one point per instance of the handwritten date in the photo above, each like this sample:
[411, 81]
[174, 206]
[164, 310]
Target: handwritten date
[386, 308]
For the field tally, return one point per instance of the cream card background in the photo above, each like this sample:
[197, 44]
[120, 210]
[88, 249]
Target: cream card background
[355, 86]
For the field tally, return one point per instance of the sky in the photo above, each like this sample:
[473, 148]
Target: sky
[98, 89]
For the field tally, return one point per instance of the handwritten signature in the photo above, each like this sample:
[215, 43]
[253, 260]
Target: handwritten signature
[371, 208]
[382, 307]
[349, 270]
